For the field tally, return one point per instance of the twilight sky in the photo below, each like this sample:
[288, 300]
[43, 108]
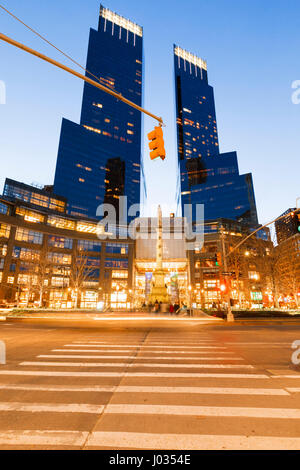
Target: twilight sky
[252, 50]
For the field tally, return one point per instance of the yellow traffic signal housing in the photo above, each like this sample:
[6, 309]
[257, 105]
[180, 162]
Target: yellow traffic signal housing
[219, 256]
[157, 144]
[218, 259]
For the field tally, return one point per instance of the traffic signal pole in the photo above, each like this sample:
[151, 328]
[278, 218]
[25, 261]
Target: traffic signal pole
[79, 75]
[230, 317]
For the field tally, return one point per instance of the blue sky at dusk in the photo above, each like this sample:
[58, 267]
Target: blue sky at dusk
[252, 50]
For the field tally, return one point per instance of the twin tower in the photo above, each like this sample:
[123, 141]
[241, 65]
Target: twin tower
[100, 160]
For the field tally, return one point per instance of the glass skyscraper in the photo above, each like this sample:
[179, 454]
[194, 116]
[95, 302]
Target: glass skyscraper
[99, 159]
[206, 176]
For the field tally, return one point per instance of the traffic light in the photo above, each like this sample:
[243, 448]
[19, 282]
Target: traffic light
[157, 144]
[296, 221]
[218, 259]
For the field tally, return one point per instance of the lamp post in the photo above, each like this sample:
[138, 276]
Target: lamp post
[230, 317]
[130, 299]
[190, 299]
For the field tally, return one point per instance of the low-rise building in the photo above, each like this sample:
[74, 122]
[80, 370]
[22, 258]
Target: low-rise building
[54, 260]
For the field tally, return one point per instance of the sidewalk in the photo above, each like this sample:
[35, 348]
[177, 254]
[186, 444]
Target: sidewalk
[121, 315]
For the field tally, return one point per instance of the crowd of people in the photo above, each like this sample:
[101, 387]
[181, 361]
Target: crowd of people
[156, 307]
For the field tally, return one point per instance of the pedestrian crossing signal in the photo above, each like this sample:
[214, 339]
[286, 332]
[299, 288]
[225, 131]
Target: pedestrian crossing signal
[156, 144]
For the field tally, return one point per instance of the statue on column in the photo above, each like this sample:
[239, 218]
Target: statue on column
[159, 290]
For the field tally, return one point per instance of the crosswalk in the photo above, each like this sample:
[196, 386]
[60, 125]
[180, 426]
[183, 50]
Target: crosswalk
[153, 391]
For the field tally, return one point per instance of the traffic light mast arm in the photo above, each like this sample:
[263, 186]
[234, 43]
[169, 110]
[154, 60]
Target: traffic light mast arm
[79, 75]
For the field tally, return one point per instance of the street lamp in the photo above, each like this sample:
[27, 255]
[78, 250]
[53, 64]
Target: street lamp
[190, 299]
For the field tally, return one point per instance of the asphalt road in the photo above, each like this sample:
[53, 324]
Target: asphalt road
[148, 384]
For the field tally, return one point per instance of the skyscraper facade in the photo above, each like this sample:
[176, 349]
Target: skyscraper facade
[99, 159]
[206, 176]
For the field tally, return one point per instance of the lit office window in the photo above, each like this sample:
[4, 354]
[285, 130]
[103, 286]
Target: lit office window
[29, 236]
[117, 248]
[4, 230]
[60, 222]
[60, 242]
[59, 258]
[30, 216]
[89, 245]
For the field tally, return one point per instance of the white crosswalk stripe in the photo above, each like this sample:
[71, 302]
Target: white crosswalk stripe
[132, 440]
[80, 356]
[147, 346]
[193, 379]
[139, 364]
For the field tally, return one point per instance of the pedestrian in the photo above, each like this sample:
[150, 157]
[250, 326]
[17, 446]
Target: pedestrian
[156, 306]
[171, 309]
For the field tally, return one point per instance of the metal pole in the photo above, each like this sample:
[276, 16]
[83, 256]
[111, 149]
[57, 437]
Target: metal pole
[230, 317]
[78, 75]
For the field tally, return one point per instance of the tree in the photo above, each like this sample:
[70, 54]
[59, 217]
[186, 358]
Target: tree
[237, 263]
[43, 271]
[81, 270]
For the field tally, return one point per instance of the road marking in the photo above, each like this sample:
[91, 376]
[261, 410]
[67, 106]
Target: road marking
[190, 441]
[202, 390]
[133, 374]
[149, 389]
[121, 364]
[285, 376]
[52, 407]
[293, 390]
[71, 356]
[58, 388]
[233, 412]
[259, 344]
[142, 346]
[173, 343]
[43, 438]
[184, 319]
[145, 352]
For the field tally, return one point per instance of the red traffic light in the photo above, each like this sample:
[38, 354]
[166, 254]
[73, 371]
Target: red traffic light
[157, 144]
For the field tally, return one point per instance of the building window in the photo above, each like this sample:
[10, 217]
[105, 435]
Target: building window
[59, 282]
[3, 208]
[116, 263]
[29, 236]
[117, 248]
[86, 227]
[26, 254]
[30, 216]
[89, 245]
[60, 242]
[119, 274]
[60, 222]
[59, 258]
[3, 249]
[4, 230]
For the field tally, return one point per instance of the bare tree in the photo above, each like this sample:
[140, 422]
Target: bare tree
[81, 271]
[237, 263]
[43, 271]
[289, 266]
